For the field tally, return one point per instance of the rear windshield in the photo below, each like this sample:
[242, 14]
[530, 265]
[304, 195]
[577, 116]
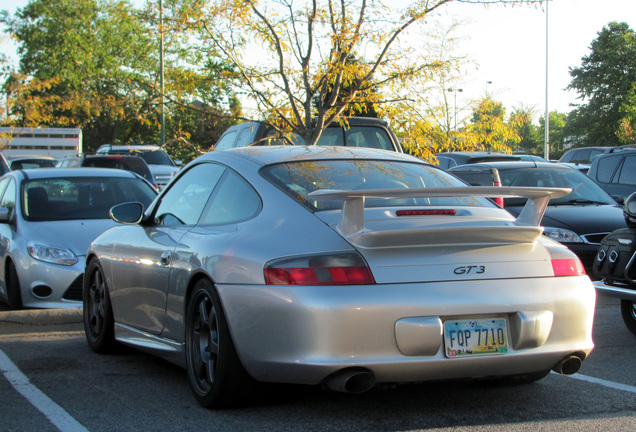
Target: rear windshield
[133, 164]
[583, 188]
[299, 179]
[156, 157]
[355, 136]
[81, 197]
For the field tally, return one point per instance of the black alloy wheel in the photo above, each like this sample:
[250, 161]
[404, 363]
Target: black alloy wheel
[99, 324]
[628, 311]
[217, 377]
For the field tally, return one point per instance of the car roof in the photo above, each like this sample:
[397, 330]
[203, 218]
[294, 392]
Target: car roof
[277, 154]
[29, 157]
[41, 173]
[618, 151]
[131, 147]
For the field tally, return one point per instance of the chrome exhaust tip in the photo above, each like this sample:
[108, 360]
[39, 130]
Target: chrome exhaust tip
[351, 381]
[568, 365]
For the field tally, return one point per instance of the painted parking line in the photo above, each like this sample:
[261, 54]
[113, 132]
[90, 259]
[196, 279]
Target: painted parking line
[604, 383]
[60, 418]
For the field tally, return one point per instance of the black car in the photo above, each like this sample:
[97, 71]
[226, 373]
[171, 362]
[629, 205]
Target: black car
[360, 132]
[580, 220]
[451, 159]
[616, 172]
[581, 157]
[129, 163]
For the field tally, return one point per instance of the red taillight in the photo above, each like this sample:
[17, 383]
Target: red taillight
[339, 269]
[568, 267]
[431, 212]
[499, 201]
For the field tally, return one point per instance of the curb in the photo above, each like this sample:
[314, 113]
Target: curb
[43, 316]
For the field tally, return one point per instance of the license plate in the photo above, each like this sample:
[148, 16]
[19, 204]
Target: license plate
[475, 337]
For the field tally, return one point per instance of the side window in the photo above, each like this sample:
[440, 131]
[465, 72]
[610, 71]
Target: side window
[233, 201]
[226, 141]
[593, 154]
[606, 168]
[245, 137]
[628, 171]
[444, 162]
[582, 156]
[8, 197]
[3, 185]
[183, 203]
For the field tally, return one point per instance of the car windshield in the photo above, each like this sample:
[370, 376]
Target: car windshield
[299, 179]
[584, 189]
[156, 157]
[72, 198]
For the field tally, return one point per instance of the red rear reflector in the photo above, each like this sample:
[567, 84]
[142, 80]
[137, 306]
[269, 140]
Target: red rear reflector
[432, 212]
[568, 267]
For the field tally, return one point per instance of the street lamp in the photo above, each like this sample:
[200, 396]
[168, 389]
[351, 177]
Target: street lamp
[453, 90]
[487, 82]
[161, 72]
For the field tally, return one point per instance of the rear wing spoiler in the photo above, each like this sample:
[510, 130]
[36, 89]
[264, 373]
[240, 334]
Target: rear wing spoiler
[352, 218]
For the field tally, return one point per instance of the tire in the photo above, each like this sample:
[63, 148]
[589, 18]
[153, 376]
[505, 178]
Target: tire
[99, 324]
[14, 294]
[628, 311]
[217, 377]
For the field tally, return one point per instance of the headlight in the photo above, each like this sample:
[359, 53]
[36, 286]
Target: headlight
[51, 254]
[562, 235]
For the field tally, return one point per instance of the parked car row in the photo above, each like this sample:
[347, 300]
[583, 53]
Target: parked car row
[149, 161]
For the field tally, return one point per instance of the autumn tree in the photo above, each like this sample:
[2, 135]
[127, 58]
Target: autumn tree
[294, 58]
[603, 81]
[522, 121]
[429, 119]
[627, 129]
[489, 130]
[94, 64]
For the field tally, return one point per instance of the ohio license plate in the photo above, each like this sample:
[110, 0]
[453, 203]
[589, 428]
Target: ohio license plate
[475, 337]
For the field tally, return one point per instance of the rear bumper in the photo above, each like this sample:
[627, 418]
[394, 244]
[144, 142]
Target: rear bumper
[304, 334]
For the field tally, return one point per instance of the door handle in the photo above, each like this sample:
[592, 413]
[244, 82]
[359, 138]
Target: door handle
[165, 258]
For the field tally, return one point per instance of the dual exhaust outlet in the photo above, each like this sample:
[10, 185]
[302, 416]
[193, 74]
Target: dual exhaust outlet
[358, 380]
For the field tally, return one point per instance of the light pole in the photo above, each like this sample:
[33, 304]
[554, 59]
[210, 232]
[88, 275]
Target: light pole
[487, 82]
[163, 116]
[454, 90]
[546, 140]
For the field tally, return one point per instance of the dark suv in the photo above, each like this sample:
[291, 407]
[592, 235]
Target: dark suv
[361, 132]
[616, 172]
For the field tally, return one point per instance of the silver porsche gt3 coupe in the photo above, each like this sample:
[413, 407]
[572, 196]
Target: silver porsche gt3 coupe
[341, 267]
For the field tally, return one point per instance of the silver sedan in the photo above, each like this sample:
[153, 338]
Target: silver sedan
[48, 218]
[341, 267]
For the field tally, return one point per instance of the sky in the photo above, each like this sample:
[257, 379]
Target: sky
[508, 46]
